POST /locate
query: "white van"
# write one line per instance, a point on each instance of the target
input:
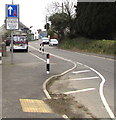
(20, 43)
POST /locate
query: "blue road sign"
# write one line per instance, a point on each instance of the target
(12, 11)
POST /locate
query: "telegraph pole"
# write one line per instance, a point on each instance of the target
(12, 2)
(62, 8)
(46, 25)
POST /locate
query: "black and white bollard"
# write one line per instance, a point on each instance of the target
(41, 47)
(48, 64)
(0, 58)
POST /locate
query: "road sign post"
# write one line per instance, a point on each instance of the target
(12, 10)
(12, 47)
(12, 22)
(12, 17)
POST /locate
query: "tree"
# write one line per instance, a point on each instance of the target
(96, 20)
(66, 6)
(62, 17)
(59, 23)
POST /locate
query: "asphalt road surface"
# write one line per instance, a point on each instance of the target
(23, 80)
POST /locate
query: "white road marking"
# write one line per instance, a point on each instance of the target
(77, 91)
(37, 57)
(34, 48)
(82, 71)
(111, 114)
(101, 84)
(79, 63)
(87, 78)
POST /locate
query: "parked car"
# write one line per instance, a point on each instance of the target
(20, 43)
(53, 42)
(45, 40)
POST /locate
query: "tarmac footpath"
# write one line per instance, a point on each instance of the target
(22, 94)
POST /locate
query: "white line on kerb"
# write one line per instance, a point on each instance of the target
(101, 84)
(87, 78)
(111, 114)
(37, 57)
(33, 47)
(45, 83)
(82, 71)
(77, 91)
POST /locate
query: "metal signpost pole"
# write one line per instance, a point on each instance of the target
(12, 47)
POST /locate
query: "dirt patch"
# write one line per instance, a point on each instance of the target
(65, 104)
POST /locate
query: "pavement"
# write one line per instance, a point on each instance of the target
(22, 95)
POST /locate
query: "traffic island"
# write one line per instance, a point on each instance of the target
(65, 104)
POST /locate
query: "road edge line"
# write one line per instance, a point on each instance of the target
(103, 99)
(48, 80)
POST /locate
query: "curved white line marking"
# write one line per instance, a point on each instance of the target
(101, 92)
(37, 57)
(45, 83)
(34, 48)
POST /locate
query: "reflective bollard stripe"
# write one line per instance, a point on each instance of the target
(0, 58)
(48, 64)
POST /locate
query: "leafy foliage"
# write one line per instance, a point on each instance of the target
(59, 22)
(95, 20)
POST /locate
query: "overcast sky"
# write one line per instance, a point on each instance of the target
(32, 12)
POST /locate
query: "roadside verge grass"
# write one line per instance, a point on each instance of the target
(89, 45)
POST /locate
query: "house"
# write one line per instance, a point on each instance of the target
(23, 30)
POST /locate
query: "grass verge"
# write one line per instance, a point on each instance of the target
(89, 45)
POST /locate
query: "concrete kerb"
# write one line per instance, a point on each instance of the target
(48, 80)
(55, 76)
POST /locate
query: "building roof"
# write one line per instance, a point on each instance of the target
(21, 25)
